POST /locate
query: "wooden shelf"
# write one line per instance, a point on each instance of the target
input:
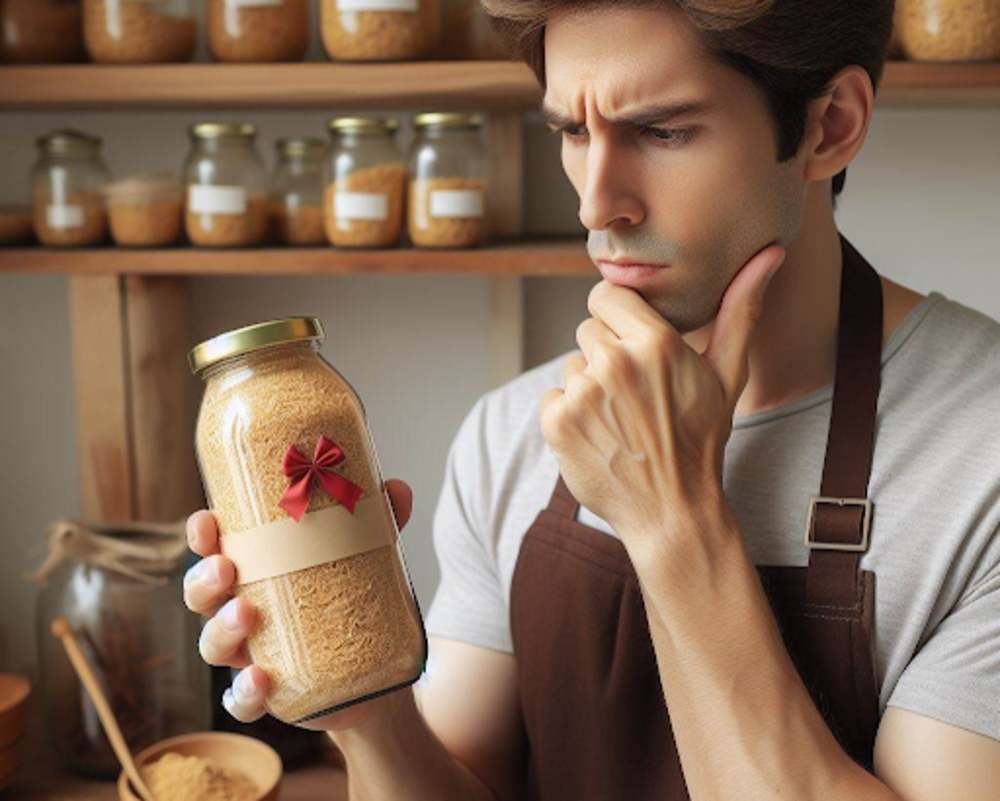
(560, 256)
(488, 85)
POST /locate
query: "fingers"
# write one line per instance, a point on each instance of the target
(208, 584)
(401, 497)
(223, 637)
(245, 699)
(203, 533)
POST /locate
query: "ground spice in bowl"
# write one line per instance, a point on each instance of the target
(258, 30)
(302, 225)
(79, 220)
(365, 207)
(410, 30)
(175, 777)
(337, 617)
(144, 210)
(229, 230)
(136, 33)
(459, 223)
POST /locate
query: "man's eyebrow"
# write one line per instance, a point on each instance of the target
(650, 115)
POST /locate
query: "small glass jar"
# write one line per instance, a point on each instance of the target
(296, 487)
(296, 200)
(68, 183)
(41, 31)
(118, 587)
(448, 180)
(381, 30)
(139, 31)
(16, 227)
(365, 178)
(225, 187)
(145, 210)
(949, 30)
(258, 30)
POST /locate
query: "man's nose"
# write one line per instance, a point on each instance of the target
(609, 194)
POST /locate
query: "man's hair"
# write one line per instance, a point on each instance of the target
(790, 48)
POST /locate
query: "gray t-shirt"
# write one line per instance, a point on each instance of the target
(935, 486)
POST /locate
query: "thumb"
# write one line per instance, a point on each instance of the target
(742, 307)
(401, 497)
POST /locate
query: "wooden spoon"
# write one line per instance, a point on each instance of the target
(62, 629)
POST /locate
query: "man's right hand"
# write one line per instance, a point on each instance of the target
(208, 590)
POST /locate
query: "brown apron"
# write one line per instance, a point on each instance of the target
(594, 713)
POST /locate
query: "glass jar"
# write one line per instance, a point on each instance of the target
(448, 176)
(258, 30)
(296, 202)
(16, 227)
(41, 31)
(365, 178)
(226, 187)
(949, 30)
(381, 30)
(139, 31)
(68, 181)
(145, 210)
(118, 587)
(295, 484)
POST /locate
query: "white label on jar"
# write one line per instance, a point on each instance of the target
(457, 203)
(217, 199)
(61, 217)
(253, 3)
(361, 206)
(378, 5)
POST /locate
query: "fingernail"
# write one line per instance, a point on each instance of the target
(229, 616)
(206, 572)
(243, 687)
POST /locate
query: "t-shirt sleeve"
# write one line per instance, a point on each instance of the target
(955, 676)
(469, 603)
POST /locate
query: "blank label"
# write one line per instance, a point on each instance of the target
(361, 206)
(217, 199)
(64, 216)
(378, 5)
(457, 203)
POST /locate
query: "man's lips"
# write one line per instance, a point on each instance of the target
(626, 273)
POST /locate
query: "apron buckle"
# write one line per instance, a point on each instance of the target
(862, 546)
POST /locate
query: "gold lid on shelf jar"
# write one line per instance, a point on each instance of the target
(357, 124)
(299, 145)
(254, 337)
(68, 139)
(219, 130)
(448, 119)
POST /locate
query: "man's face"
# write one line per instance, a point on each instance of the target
(702, 192)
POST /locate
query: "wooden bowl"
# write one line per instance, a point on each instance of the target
(14, 692)
(249, 755)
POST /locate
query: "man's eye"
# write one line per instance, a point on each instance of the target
(665, 135)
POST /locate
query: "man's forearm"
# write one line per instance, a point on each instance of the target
(744, 723)
(395, 754)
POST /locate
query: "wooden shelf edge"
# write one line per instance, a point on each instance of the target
(562, 256)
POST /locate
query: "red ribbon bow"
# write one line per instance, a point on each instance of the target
(301, 471)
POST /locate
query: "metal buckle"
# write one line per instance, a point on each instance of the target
(840, 546)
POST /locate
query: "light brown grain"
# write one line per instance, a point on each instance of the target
(92, 231)
(139, 34)
(229, 230)
(301, 225)
(949, 30)
(263, 33)
(444, 232)
(380, 35)
(387, 179)
(153, 224)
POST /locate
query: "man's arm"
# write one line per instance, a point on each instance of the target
(744, 723)
(456, 736)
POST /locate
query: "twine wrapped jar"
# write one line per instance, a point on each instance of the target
(294, 482)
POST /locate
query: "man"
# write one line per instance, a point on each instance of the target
(627, 603)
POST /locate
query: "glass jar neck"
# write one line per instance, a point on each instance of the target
(272, 354)
(225, 143)
(437, 132)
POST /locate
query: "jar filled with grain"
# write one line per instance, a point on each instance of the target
(949, 30)
(296, 200)
(258, 30)
(41, 31)
(139, 31)
(16, 227)
(448, 175)
(365, 178)
(145, 210)
(295, 484)
(381, 30)
(226, 187)
(68, 183)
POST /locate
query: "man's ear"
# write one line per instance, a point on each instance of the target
(838, 123)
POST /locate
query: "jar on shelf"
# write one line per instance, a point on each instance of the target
(467, 34)
(16, 227)
(41, 31)
(381, 30)
(365, 178)
(145, 210)
(258, 30)
(296, 201)
(225, 187)
(296, 487)
(448, 180)
(118, 586)
(68, 182)
(949, 30)
(139, 31)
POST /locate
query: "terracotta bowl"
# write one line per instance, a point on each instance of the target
(14, 692)
(253, 757)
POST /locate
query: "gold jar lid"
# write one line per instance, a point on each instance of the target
(254, 337)
(220, 130)
(67, 140)
(448, 119)
(299, 145)
(355, 124)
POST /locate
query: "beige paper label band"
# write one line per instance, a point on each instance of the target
(285, 546)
